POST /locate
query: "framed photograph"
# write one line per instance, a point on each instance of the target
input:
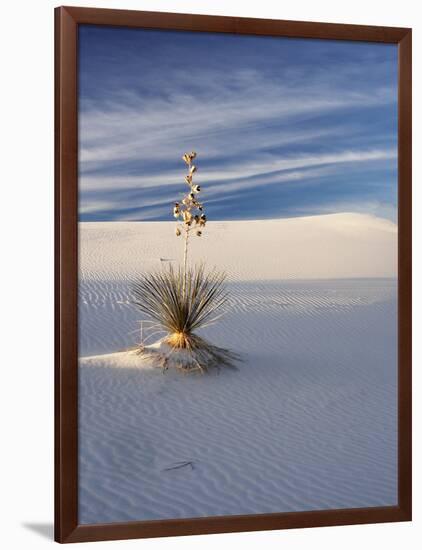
(233, 274)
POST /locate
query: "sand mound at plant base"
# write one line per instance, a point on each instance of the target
(157, 356)
(120, 360)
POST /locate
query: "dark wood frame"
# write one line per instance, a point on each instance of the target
(67, 529)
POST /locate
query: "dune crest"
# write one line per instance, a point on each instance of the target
(318, 247)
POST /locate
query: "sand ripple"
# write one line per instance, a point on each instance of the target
(307, 422)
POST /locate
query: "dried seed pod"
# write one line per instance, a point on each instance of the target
(189, 205)
(187, 216)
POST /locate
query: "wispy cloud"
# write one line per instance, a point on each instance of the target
(129, 127)
(266, 169)
(255, 125)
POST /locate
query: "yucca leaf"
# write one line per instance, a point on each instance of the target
(160, 296)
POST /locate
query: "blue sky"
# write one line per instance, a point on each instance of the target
(282, 127)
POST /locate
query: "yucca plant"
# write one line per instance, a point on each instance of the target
(179, 311)
(183, 300)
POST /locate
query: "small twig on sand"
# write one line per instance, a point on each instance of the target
(181, 464)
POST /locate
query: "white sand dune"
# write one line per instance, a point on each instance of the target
(331, 246)
(308, 421)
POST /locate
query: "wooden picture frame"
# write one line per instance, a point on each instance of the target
(67, 528)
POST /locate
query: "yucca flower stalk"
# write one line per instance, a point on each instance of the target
(181, 300)
(190, 211)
